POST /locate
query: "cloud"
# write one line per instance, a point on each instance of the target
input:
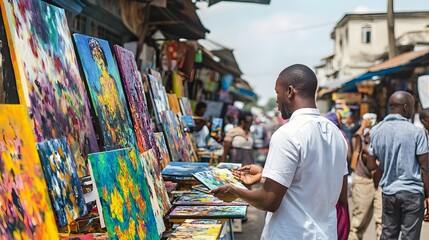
(361, 9)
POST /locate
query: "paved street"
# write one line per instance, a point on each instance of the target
(253, 227)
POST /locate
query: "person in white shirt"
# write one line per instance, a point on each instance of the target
(305, 170)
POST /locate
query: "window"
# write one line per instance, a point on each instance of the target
(366, 34)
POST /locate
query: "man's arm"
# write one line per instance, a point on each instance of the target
(372, 166)
(424, 166)
(266, 198)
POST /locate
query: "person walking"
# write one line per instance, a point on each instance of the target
(305, 170)
(402, 151)
(366, 198)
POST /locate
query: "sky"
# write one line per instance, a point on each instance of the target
(268, 38)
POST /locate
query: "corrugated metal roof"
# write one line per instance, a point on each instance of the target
(399, 60)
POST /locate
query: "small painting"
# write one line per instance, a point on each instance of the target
(163, 150)
(173, 134)
(195, 199)
(63, 183)
(184, 169)
(191, 229)
(216, 178)
(208, 212)
(185, 106)
(124, 194)
(173, 102)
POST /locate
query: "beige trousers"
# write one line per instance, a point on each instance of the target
(366, 204)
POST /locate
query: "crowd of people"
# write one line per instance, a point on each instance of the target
(304, 186)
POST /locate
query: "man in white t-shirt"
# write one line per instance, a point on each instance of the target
(305, 169)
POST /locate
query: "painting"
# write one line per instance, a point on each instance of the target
(8, 92)
(191, 229)
(216, 178)
(216, 128)
(208, 212)
(63, 183)
(184, 169)
(134, 92)
(173, 134)
(158, 96)
(151, 185)
(26, 212)
(227, 165)
(185, 105)
(107, 95)
(48, 78)
(148, 160)
(214, 109)
(195, 199)
(173, 102)
(163, 150)
(125, 199)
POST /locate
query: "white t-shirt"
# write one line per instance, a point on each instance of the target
(308, 156)
(201, 136)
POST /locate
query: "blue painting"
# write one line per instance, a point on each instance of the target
(63, 183)
(107, 95)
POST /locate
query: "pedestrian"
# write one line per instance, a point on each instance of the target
(305, 170)
(402, 151)
(238, 142)
(366, 198)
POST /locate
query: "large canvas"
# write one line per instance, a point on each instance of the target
(197, 231)
(134, 91)
(48, 76)
(63, 183)
(25, 210)
(148, 160)
(8, 93)
(157, 206)
(174, 135)
(208, 212)
(124, 195)
(195, 199)
(164, 159)
(216, 178)
(107, 95)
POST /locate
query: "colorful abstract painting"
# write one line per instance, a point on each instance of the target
(25, 210)
(173, 102)
(107, 95)
(195, 199)
(148, 159)
(8, 92)
(157, 207)
(124, 195)
(208, 212)
(216, 178)
(174, 135)
(158, 98)
(164, 159)
(194, 230)
(184, 169)
(185, 105)
(134, 91)
(48, 78)
(63, 183)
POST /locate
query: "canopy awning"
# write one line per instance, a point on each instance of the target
(212, 2)
(390, 66)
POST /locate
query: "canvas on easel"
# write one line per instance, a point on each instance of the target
(26, 211)
(63, 183)
(107, 95)
(134, 91)
(47, 76)
(124, 194)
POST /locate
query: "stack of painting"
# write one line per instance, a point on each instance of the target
(198, 230)
(107, 95)
(208, 212)
(47, 76)
(203, 199)
(26, 211)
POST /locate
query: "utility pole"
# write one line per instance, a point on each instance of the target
(391, 29)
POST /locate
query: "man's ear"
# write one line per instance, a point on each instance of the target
(290, 93)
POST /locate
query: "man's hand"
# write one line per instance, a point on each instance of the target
(224, 193)
(249, 174)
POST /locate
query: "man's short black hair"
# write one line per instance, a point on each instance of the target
(300, 77)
